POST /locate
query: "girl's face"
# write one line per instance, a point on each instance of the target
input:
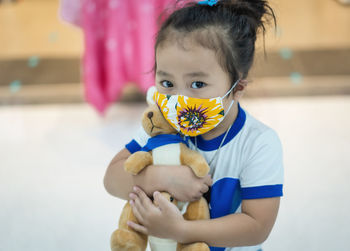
(193, 71)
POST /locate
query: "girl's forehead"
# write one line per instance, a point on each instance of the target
(186, 55)
(194, 62)
(184, 40)
(196, 49)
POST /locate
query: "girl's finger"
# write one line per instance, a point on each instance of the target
(204, 189)
(136, 212)
(162, 202)
(137, 227)
(137, 203)
(145, 201)
(208, 180)
(140, 208)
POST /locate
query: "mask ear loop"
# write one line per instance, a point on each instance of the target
(229, 108)
(234, 85)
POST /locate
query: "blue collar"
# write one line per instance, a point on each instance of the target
(213, 144)
(161, 140)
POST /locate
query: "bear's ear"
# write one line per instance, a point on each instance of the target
(150, 94)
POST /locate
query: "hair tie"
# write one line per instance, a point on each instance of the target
(208, 2)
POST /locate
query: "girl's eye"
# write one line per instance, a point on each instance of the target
(197, 85)
(166, 84)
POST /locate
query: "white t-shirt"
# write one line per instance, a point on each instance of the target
(249, 165)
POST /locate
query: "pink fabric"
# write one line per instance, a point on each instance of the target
(119, 46)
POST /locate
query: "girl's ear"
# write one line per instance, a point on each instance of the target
(242, 84)
(239, 90)
(150, 94)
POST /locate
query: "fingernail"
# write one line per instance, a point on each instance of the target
(131, 202)
(135, 189)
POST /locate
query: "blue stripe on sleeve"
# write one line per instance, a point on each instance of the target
(133, 146)
(216, 249)
(262, 192)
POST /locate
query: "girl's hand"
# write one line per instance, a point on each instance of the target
(179, 181)
(164, 221)
(184, 185)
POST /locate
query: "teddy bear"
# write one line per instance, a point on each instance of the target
(164, 147)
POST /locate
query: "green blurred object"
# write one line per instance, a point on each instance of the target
(286, 53)
(296, 78)
(33, 61)
(15, 86)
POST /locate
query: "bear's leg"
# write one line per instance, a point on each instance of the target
(198, 246)
(194, 160)
(197, 210)
(125, 238)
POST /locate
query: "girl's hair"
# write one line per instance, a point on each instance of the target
(229, 28)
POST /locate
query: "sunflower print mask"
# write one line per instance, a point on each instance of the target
(192, 116)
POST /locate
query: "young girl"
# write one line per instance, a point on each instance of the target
(204, 51)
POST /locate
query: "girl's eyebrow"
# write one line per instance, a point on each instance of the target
(191, 74)
(196, 74)
(163, 73)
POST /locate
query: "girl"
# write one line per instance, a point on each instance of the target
(204, 52)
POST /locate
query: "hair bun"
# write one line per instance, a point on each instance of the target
(258, 10)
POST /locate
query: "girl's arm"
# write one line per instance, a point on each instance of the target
(117, 182)
(180, 181)
(249, 228)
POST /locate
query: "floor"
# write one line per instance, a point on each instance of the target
(54, 158)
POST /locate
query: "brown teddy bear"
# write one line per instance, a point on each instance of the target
(175, 153)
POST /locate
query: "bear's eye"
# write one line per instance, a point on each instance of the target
(171, 199)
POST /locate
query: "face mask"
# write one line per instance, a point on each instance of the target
(192, 116)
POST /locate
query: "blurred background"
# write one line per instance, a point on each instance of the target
(72, 80)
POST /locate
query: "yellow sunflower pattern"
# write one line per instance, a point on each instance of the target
(197, 116)
(190, 116)
(163, 104)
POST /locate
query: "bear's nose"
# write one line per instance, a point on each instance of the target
(150, 115)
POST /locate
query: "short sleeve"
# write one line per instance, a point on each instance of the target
(139, 140)
(262, 175)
